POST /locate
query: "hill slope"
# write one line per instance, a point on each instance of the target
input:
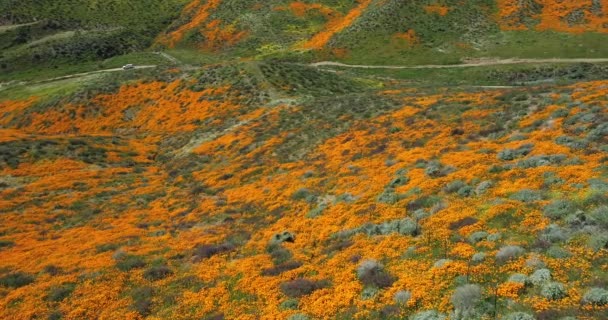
(256, 190)
(403, 31)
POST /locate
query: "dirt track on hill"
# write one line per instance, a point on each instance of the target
(469, 64)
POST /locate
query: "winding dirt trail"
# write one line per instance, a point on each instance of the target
(470, 64)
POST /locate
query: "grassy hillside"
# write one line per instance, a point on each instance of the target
(54, 34)
(403, 32)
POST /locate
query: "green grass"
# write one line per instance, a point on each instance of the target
(45, 90)
(194, 57)
(505, 75)
(382, 49)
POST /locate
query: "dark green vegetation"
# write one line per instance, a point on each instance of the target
(61, 34)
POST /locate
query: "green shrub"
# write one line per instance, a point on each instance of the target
(372, 274)
(600, 216)
(428, 315)
(598, 241)
(155, 273)
(59, 293)
(301, 287)
(478, 257)
(540, 276)
(558, 209)
(289, 304)
(553, 290)
(519, 316)
(454, 186)
(142, 300)
(477, 236)
(512, 154)
(509, 253)
(435, 169)
(527, 195)
(16, 280)
(304, 194)
(402, 297)
(369, 293)
(298, 316)
(284, 236)
(466, 296)
(596, 297)
(130, 262)
(483, 187)
(317, 211)
(519, 278)
(6, 244)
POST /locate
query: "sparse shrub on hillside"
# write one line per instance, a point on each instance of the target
(204, 251)
(283, 267)
(540, 276)
(483, 187)
(519, 316)
(477, 236)
(598, 242)
(600, 216)
(512, 154)
(509, 253)
(428, 315)
(405, 226)
(553, 233)
(142, 300)
(317, 211)
(541, 160)
(61, 292)
(464, 299)
(465, 191)
(284, 236)
(553, 290)
(494, 237)
(535, 262)
(559, 208)
(301, 287)
(551, 179)
(572, 143)
(596, 297)
(369, 293)
(389, 196)
(435, 169)
(402, 297)
(130, 262)
(298, 316)
(527, 195)
(441, 262)
(464, 222)
(371, 273)
(289, 304)
(454, 186)
(304, 194)
(557, 252)
(16, 280)
(519, 278)
(6, 244)
(159, 272)
(478, 257)
(278, 254)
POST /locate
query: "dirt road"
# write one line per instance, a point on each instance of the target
(469, 64)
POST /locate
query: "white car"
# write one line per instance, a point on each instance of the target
(128, 66)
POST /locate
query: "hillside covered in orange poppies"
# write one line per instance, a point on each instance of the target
(231, 177)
